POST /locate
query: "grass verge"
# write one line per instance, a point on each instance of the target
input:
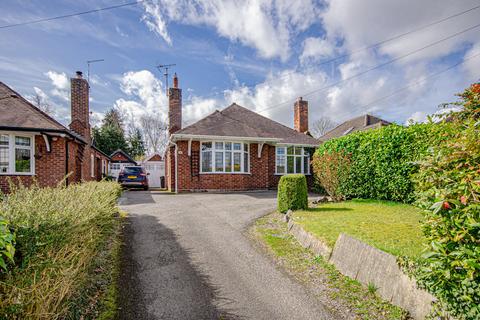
(343, 296)
(389, 226)
(66, 259)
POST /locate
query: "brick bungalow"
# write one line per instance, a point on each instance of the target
(34, 146)
(235, 148)
(361, 123)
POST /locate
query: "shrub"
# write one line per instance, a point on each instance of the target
(332, 170)
(383, 160)
(292, 193)
(59, 234)
(7, 244)
(449, 185)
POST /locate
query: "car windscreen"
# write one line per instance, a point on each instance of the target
(132, 170)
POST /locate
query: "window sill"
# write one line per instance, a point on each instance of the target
(17, 174)
(283, 174)
(245, 173)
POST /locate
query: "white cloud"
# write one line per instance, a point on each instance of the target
(60, 83)
(316, 49)
(266, 25)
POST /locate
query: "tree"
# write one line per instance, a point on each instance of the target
(111, 136)
(155, 133)
(42, 104)
(136, 144)
(322, 126)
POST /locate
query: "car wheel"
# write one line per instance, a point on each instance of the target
(145, 188)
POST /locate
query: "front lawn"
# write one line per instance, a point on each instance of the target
(389, 226)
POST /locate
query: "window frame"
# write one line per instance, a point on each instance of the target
(214, 150)
(11, 171)
(285, 155)
(92, 165)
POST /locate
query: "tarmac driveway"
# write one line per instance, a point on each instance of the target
(186, 257)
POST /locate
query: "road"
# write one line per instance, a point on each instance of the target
(187, 256)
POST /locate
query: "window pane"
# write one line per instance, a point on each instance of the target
(22, 160)
(290, 164)
(22, 141)
(306, 153)
(280, 150)
(245, 147)
(219, 145)
(237, 162)
(207, 161)
(219, 161)
(228, 146)
(3, 140)
(306, 165)
(298, 151)
(237, 146)
(245, 162)
(280, 164)
(3, 153)
(228, 161)
(290, 150)
(298, 164)
(206, 146)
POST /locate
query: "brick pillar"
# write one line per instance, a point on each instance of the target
(80, 122)
(300, 116)
(174, 107)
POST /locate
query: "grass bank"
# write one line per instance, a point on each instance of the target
(343, 297)
(389, 226)
(66, 259)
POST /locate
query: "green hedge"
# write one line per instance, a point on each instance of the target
(292, 193)
(383, 160)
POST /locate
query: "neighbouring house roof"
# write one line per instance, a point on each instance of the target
(153, 157)
(17, 113)
(364, 122)
(122, 154)
(237, 121)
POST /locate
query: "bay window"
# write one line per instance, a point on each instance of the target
(16, 154)
(224, 157)
(292, 159)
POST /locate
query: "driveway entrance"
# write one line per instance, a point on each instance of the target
(187, 257)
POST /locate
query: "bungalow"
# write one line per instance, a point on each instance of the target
(235, 148)
(34, 146)
(361, 123)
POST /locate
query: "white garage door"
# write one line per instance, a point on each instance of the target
(156, 170)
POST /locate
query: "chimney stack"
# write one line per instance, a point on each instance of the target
(300, 116)
(79, 100)
(174, 107)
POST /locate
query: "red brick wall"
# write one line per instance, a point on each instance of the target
(80, 107)
(300, 115)
(50, 166)
(119, 157)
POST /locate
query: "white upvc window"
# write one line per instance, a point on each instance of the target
(292, 159)
(224, 157)
(17, 154)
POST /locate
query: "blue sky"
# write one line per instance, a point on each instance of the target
(261, 54)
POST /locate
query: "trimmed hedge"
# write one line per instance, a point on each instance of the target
(292, 193)
(383, 160)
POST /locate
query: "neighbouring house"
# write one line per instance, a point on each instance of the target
(34, 146)
(155, 166)
(235, 148)
(119, 160)
(361, 123)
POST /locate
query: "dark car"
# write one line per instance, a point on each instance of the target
(133, 177)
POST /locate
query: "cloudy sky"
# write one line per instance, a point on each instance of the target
(262, 54)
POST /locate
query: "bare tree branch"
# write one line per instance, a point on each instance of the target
(322, 126)
(155, 133)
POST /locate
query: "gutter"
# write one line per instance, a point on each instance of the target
(176, 137)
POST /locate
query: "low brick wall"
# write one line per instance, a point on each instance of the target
(369, 265)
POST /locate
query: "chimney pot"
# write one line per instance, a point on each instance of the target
(79, 74)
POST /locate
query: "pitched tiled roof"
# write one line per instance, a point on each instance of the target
(126, 155)
(17, 112)
(237, 121)
(360, 123)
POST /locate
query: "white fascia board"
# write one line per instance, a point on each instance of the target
(283, 144)
(177, 137)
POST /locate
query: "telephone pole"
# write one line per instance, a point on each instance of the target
(165, 73)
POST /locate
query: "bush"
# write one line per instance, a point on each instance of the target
(332, 170)
(7, 245)
(59, 234)
(382, 161)
(449, 185)
(292, 193)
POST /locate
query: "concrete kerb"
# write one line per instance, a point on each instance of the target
(368, 265)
